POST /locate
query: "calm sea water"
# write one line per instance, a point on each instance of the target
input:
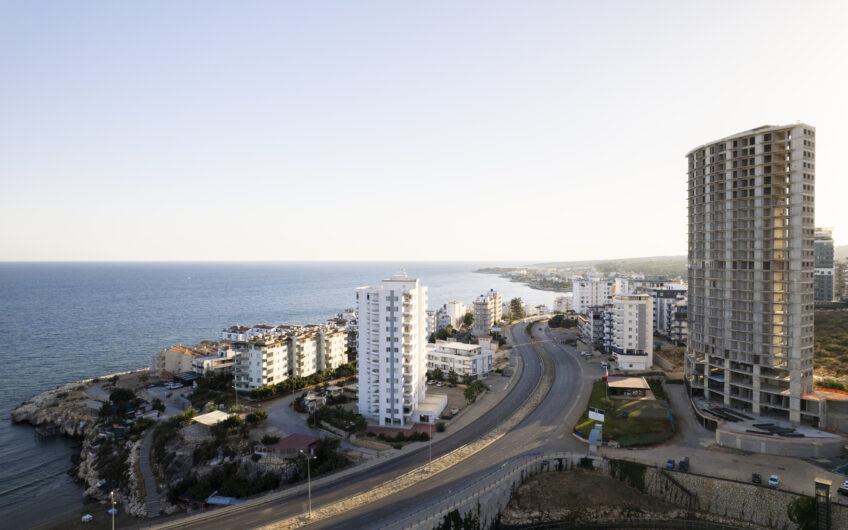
(62, 322)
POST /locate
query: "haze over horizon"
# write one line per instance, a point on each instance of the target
(382, 131)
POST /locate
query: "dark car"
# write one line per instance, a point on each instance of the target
(683, 465)
(756, 478)
(669, 464)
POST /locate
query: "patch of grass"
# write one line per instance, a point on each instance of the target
(646, 422)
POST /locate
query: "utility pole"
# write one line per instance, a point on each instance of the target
(308, 480)
(112, 495)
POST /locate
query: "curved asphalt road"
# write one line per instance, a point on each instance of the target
(546, 429)
(517, 440)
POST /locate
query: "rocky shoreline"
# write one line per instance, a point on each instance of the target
(73, 410)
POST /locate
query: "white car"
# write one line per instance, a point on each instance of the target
(604, 364)
(774, 481)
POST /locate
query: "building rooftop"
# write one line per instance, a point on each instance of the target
(615, 381)
(211, 418)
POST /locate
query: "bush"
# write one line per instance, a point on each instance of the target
(255, 417)
(440, 426)
(141, 425)
(158, 405)
(802, 512)
(269, 439)
(338, 417)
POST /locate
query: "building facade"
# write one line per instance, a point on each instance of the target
(591, 292)
(629, 331)
(487, 309)
(751, 231)
(670, 311)
(287, 351)
(824, 277)
(564, 303)
(392, 354)
(474, 360)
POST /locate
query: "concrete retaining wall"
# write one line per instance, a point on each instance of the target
(749, 503)
(799, 447)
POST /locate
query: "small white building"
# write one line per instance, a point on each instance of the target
(475, 360)
(222, 362)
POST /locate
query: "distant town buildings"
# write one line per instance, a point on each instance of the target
(564, 303)
(591, 292)
(474, 360)
(641, 284)
(487, 310)
(392, 354)
(824, 274)
(751, 264)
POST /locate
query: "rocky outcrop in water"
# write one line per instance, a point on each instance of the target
(68, 409)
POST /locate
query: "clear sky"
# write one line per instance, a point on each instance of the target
(394, 130)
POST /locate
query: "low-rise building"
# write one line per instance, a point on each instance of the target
(475, 360)
(564, 303)
(221, 362)
(175, 359)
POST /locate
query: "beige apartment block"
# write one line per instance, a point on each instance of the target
(751, 232)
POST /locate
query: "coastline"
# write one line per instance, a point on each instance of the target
(531, 284)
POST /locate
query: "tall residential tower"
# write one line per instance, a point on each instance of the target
(751, 232)
(392, 355)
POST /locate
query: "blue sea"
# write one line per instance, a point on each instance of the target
(63, 322)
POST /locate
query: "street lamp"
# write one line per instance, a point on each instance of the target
(112, 495)
(308, 480)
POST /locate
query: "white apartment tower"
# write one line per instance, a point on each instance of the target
(392, 354)
(751, 232)
(629, 324)
(591, 293)
(488, 309)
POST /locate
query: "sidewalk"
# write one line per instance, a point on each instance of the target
(151, 496)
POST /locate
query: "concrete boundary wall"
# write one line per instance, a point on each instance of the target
(798, 447)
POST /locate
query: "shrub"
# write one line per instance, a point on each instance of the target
(255, 417)
(440, 426)
(269, 439)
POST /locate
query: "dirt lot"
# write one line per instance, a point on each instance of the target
(552, 493)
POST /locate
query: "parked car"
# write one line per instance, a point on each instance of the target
(586, 354)
(756, 478)
(604, 364)
(87, 518)
(669, 463)
(683, 465)
(774, 481)
(431, 382)
(844, 488)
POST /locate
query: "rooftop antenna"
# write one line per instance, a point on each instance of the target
(401, 273)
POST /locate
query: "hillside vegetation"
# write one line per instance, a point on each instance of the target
(831, 343)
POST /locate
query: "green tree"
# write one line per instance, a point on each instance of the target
(802, 512)
(516, 308)
(438, 374)
(467, 379)
(158, 405)
(453, 377)
(468, 319)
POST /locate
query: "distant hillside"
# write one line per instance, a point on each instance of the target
(653, 265)
(658, 265)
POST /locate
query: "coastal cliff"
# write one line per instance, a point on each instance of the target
(67, 409)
